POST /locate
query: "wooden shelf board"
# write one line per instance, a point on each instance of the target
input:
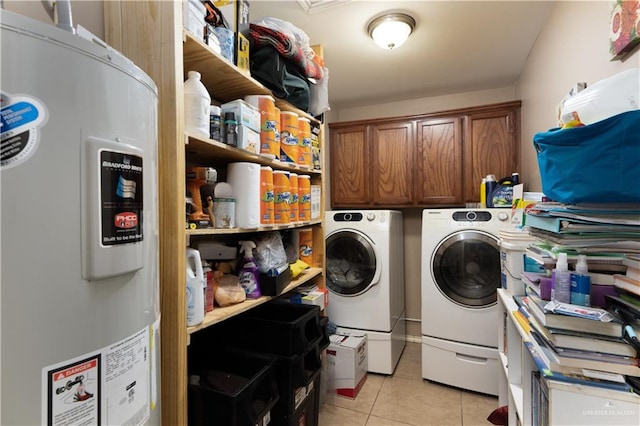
(218, 231)
(221, 314)
(209, 150)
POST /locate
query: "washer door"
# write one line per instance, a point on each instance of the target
(466, 268)
(352, 263)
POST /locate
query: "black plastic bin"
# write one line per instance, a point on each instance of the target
(229, 387)
(307, 412)
(294, 376)
(279, 328)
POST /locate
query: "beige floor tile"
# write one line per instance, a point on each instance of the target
(330, 415)
(418, 403)
(476, 408)
(365, 399)
(379, 421)
(410, 364)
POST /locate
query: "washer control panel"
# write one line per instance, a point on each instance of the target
(471, 216)
(348, 217)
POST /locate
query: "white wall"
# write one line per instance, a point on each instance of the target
(572, 47)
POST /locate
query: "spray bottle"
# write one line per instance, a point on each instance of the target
(561, 281)
(249, 273)
(581, 283)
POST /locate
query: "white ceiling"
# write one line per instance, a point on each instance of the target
(457, 46)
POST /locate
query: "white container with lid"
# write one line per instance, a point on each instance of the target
(605, 98)
(196, 105)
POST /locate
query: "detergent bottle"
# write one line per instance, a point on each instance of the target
(249, 274)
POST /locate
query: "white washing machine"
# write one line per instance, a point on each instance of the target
(365, 278)
(460, 277)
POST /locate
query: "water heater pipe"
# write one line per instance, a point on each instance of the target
(65, 20)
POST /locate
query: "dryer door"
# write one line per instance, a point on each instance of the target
(466, 268)
(352, 262)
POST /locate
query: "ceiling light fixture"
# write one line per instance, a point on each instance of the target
(391, 30)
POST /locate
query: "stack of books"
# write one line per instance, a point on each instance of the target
(630, 281)
(578, 350)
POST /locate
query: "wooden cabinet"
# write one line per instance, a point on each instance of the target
(151, 35)
(439, 166)
(349, 166)
(392, 163)
(436, 159)
(491, 146)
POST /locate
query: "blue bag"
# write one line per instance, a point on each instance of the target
(597, 163)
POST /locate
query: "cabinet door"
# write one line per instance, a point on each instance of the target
(392, 163)
(491, 146)
(439, 158)
(350, 175)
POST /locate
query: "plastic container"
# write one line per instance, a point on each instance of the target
(581, 283)
(224, 206)
(229, 387)
(513, 245)
(483, 193)
(230, 129)
(196, 288)
(603, 99)
(277, 328)
(215, 123)
(197, 102)
(489, 186)
(249, 274)
(561, 280)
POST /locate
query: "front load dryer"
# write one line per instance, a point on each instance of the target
(365, 278)
(460, 276)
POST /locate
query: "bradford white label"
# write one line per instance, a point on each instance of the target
(121, 198)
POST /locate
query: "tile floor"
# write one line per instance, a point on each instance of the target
(405, 398)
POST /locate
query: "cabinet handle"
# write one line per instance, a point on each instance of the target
(469, 358)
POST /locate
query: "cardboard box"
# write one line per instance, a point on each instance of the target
(318, 297)
(347, 364)
(236, 14)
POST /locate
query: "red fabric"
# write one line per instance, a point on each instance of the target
(263, 36)
(499, 416)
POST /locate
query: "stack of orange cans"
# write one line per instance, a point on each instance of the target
(266, 196)
(294, 196)
(282, 190)
(267, 107)
(304, 198)
(304, 142)
(288, 137)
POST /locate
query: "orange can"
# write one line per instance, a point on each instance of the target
(266, 196)
(267, 107)
(304, 198)
(304, 142)
(288, 137)
(276, 151)
(305, 252)
(281, 192)
(293, 197)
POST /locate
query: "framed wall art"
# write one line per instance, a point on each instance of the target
(624, 27)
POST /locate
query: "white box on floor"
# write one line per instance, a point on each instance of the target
(347, 364)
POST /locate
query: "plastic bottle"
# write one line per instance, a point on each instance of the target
(196, 105)
(215, 123)
(603, 99)
(561, 281)
(196, 288)
(515, 178)
(581, 283)
(483, 193)
(249, 274)
(490, 186)
(230, 129)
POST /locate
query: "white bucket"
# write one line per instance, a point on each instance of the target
(513, 245)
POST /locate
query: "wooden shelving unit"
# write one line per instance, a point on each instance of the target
(151, 35)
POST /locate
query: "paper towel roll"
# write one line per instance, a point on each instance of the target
(244, 178)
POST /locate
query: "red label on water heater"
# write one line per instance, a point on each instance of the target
(126, 220)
